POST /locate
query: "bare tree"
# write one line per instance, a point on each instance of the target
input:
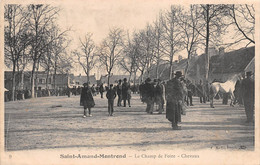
(158, 33)
(110, 50)
(213, 18)
(40, 22)
(86, 56)
(129, 61)
(190, 27)
(172, 38)
(243, 17)
(16, 39)
(147, 50)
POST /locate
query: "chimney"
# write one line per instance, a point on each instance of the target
(221, 51)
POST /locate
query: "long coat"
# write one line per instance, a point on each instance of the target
(148, 92)
(174, 95)
(86, 98)
(125, 91)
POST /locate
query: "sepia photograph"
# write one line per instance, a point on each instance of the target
(129, 82)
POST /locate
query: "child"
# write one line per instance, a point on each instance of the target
(111, 95)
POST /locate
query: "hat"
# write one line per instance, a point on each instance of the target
(111, 85)
(249, 73)
(125, 79)
(85, 84)
(178, 73)
(120, 80)
(148, 80)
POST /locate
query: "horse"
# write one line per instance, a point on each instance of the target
(226, 87)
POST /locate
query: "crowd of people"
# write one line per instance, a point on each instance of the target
(173, 96)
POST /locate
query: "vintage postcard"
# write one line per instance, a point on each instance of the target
(129, 82)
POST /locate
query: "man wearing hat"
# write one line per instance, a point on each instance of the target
(248, 94)
(148, 95)
(159, 95)
(174, 95)
(86, 99)
(126, 93)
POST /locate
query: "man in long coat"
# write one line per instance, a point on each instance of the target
(174, 96)
(148, 95)
(248, 93)
(86, 99)
(159, 95)
(126, 92)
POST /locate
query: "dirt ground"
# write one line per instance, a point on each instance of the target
(42, 123)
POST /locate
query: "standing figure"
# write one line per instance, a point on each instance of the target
(101, 90)
(237, 92)
(93, 90)
(248, 93)
(126, 94)
(174, 96)
(119, 93)
(201, 93)
(111, 95)
(191, 92)
(68, 91)
(159, 95)
(86, 99)
(148, 95)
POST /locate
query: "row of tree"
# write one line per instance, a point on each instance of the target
(33, 38)
(174, 30)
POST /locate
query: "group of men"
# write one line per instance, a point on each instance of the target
(173, 93)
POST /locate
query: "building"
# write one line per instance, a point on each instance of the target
(78, 81)
(58, 81)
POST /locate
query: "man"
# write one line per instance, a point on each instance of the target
(86, 100)
(101, 90)
(126, 93)
(191, 92)
(148, 95)
(174, 96)
(119, 93)
(159, 95)
(201, 92)
(248, 93)
(111, 95)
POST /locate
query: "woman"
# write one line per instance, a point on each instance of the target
(86, 99)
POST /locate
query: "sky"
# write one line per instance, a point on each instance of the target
(98, 16)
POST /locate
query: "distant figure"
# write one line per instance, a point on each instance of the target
(93, 90)
(191, 92)
(111, 95)
(159, 95)
(119, 93)
(201, 92)
(68, 91)
(126, 92)
(174, 96)
(101, 90)
(148, 95)
(86, 99)
(237, 92)
(248, 93)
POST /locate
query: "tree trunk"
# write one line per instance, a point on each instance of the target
(22, 83)
(13, 82)
(32, 81)
(207, 47)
